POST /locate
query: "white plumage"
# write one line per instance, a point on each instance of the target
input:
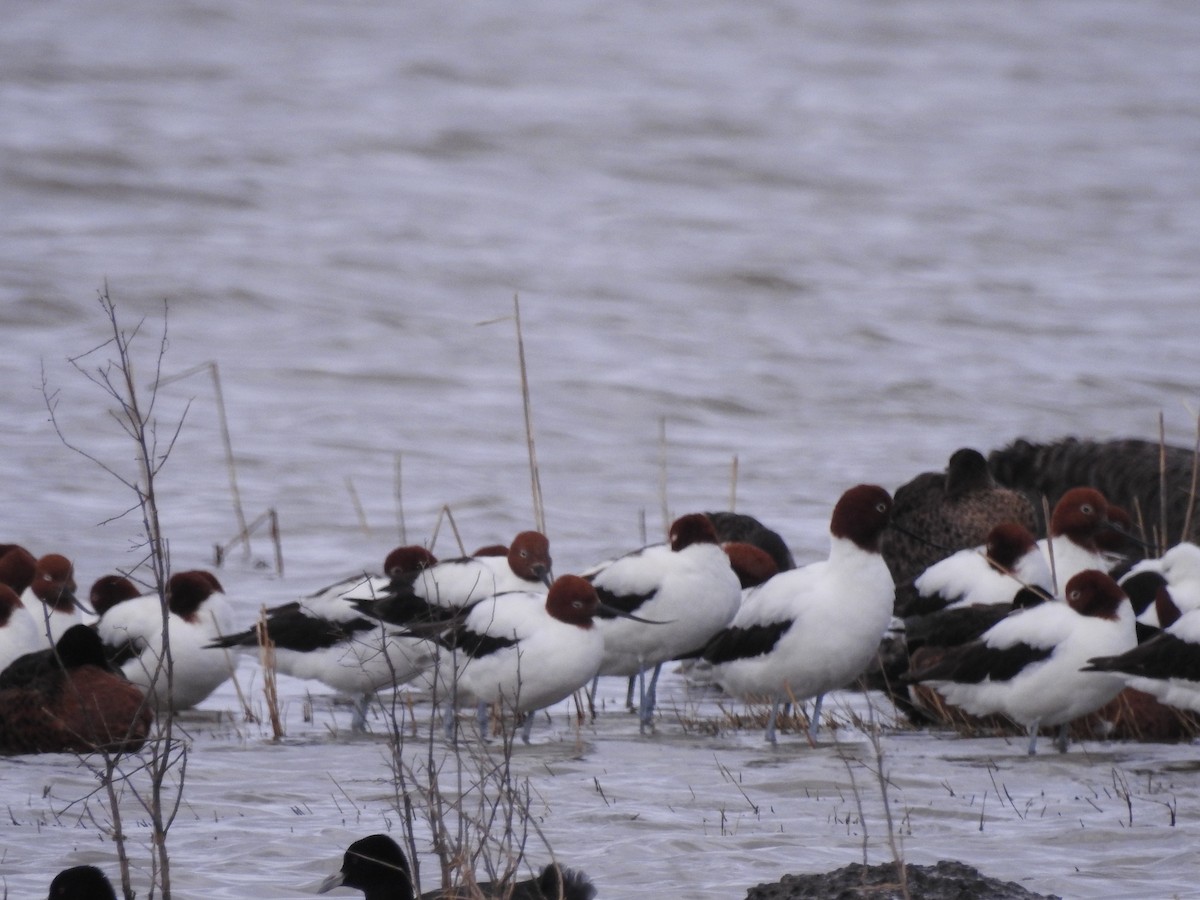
(18, 632)
(994, 573)
(1028, 666)
(687, 587)
(810, 630)
(525, 651)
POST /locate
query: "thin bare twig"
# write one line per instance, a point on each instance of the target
(165, 755)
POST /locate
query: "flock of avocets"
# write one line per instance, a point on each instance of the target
(1039, 631)
(496, 630)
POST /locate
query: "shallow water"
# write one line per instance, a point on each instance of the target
(693, 811)
(835, 241)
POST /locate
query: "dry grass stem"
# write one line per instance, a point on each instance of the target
(1049, 545)
(398, 480)
(448, 515)
(662, 474)
(223, 420)
(1191, 504)
(271, 519)
(535, 478)
(266, 649)
(359, 512)
(1162, 484)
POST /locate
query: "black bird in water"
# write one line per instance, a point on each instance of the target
(378, 867)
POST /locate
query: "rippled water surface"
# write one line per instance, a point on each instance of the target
(833, 240)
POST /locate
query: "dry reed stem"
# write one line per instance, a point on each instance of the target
(223, 421)
(446, 513)
(1049, 545)
(1162, 484)
(398, 481)
(266, 651)
(276, 540)
(271, 518)
(662, 473)
(359, 512)
(1139, 518)
(535, 478)
(1191, 506)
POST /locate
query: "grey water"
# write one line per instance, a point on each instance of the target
(832, 241)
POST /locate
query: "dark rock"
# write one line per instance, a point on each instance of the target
(947, 880)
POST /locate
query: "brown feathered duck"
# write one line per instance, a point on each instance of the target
(939, 513)
(68, 700)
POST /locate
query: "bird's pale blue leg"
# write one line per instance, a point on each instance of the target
(1063, 739)
(641, 677)
(450, 703)
(652, 691)
(814, 724)
(591, 697)
(1033, 736)
(770, 736)
(481, 716)
(359, 723)
(629, 692)
(650, 697)
(527, 728)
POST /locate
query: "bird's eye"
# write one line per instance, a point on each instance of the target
(1074, 595)
(1086, 509)
(524, 554)
(881, 507)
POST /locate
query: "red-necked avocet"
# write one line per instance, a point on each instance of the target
(811, 630)
(131, 627)
(525, 651)
(687, 585)
(18, 632)
(438, 591)
(1029, 665)
(50, 597)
